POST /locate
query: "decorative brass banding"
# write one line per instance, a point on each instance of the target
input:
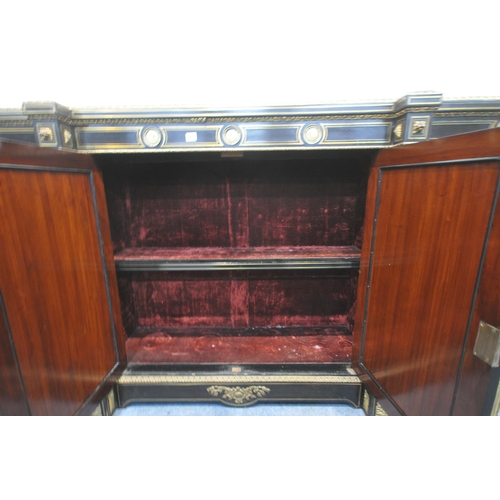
(236, 379)
(239, 395)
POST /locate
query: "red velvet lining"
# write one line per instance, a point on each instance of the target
(219, 210)
(162, 346)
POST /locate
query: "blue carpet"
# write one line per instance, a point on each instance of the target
(274, 410)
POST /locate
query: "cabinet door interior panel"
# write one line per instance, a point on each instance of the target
(475, 374)
(12, 395)
(427, 243)
(54, 282)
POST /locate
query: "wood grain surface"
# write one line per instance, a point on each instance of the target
(426, 228)
(53, 278)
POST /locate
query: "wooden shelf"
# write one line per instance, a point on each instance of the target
(240, 345)
(210, 259)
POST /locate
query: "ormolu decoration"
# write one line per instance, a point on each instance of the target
(398, 131)
(46, 134)
(239, 395)
(418, 127)
(67, 136)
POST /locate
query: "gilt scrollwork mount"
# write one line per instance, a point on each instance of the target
(239, 395)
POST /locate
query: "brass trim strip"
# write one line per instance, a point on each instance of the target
(464, 122)
(450, 114)
(231, 379)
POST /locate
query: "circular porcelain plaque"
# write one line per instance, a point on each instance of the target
(151, 137)
(231, 135)
(312, 134)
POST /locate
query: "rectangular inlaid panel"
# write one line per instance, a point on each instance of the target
(429, 235)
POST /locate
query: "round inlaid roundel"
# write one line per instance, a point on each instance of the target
(231, 136)
(312, 134)
(151, 137)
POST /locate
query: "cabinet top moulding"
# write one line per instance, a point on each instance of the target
(345, 125)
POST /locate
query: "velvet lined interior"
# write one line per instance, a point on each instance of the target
(237, 209)
(236, 204)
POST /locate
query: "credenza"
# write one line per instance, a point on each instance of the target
(342, 253)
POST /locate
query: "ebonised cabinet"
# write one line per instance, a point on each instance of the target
(272, 255)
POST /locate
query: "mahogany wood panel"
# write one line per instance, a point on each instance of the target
(53, 279)
(430, 232)
(475, 374)
(261, 346)
(482, 144)
(12, 396)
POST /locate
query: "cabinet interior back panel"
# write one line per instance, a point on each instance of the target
(243, 299)
(236, 204)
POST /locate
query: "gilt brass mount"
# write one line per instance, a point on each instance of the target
(46, 134)
(239, 395)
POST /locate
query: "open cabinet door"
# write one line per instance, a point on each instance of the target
(430, 272)
(60, 320)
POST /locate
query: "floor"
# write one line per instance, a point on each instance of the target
(208, 409)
